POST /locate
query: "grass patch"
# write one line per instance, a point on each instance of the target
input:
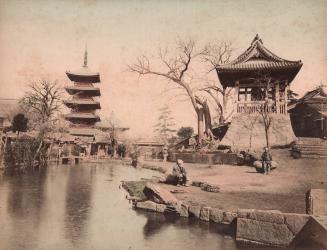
(154, 168)
(135, 188)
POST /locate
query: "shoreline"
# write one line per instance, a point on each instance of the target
(247, 199)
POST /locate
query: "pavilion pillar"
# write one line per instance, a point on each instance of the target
(277, 98)
(285, 97)
(237, 90)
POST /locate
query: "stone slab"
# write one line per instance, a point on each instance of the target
(273, 216)
(161, 208)
(295, 222)
(316, 202)
(146, 205)
(228, 217)
(216, 215)
(183, 210)
(205, 213)
(194, 211)
(267, 233)
(158, 194)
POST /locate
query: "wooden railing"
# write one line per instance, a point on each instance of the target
(252, 107)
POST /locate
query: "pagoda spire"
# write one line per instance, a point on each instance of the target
(85, 57)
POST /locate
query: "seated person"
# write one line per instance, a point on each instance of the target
(179, 173)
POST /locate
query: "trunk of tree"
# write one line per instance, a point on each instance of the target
(207, 118)
(200, 114)
(267, 137)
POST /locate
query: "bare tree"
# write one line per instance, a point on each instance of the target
(177, 69)
(217, 54)
(42, 101)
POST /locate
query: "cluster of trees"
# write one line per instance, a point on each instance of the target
(179, 67)
(39, 109)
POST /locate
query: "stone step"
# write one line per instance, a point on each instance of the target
(314, 156)
(311, 148)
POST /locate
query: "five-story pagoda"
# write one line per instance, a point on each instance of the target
(82, 103)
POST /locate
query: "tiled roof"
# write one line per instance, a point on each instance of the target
(316, 99)
(258, 57)
(82, 102)
(83, 116)
(83, 131)
(8, 106)
(75, 89)
(83, 74)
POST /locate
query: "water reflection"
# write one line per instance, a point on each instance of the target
(78, 201)
(81, 207)
(25, 202)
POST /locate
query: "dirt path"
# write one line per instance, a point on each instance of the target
(242, 187)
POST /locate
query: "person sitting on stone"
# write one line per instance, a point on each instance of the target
(266, 159)
(179, 173)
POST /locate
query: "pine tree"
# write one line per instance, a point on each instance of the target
(165, 126)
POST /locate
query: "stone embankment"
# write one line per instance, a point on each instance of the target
(259, 227)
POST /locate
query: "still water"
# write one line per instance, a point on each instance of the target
(82, 207)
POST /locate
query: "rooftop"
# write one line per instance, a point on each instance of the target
(257, 59)
(84, 74)
(73, 102)
(72, 90)
(82, 116)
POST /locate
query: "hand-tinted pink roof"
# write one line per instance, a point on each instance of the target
(258, 56)
(84, 74)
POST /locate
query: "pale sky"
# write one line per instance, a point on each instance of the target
(44, 38)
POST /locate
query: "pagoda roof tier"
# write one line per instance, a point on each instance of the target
(83, 131)
(257, 61)
(83, 74)
(82, 116)
(92, 91)
(82, 102)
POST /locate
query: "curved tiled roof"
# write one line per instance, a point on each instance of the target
(83, 116)
(73, 102)
(83, 74)
(258, 56)
(76, 89)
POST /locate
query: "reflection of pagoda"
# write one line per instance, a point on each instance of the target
(82, 104)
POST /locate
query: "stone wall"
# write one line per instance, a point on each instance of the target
(205, 158)
(254, 227)
(238, 134)
(316, 202)
(270, 228)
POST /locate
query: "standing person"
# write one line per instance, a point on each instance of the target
(266, 159)
(179, 173)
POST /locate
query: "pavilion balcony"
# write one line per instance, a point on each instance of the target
(257, 107)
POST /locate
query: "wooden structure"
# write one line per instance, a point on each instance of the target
(259, 77)
(8, 109)
(82, 104)
(309, 114)
(261, 80)
(150, 150)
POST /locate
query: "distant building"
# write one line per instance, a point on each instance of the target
(8, 109)
(309, 114)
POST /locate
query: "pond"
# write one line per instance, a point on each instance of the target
(82, 207)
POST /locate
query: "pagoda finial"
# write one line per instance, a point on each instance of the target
(256, 38)
(85, 56)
